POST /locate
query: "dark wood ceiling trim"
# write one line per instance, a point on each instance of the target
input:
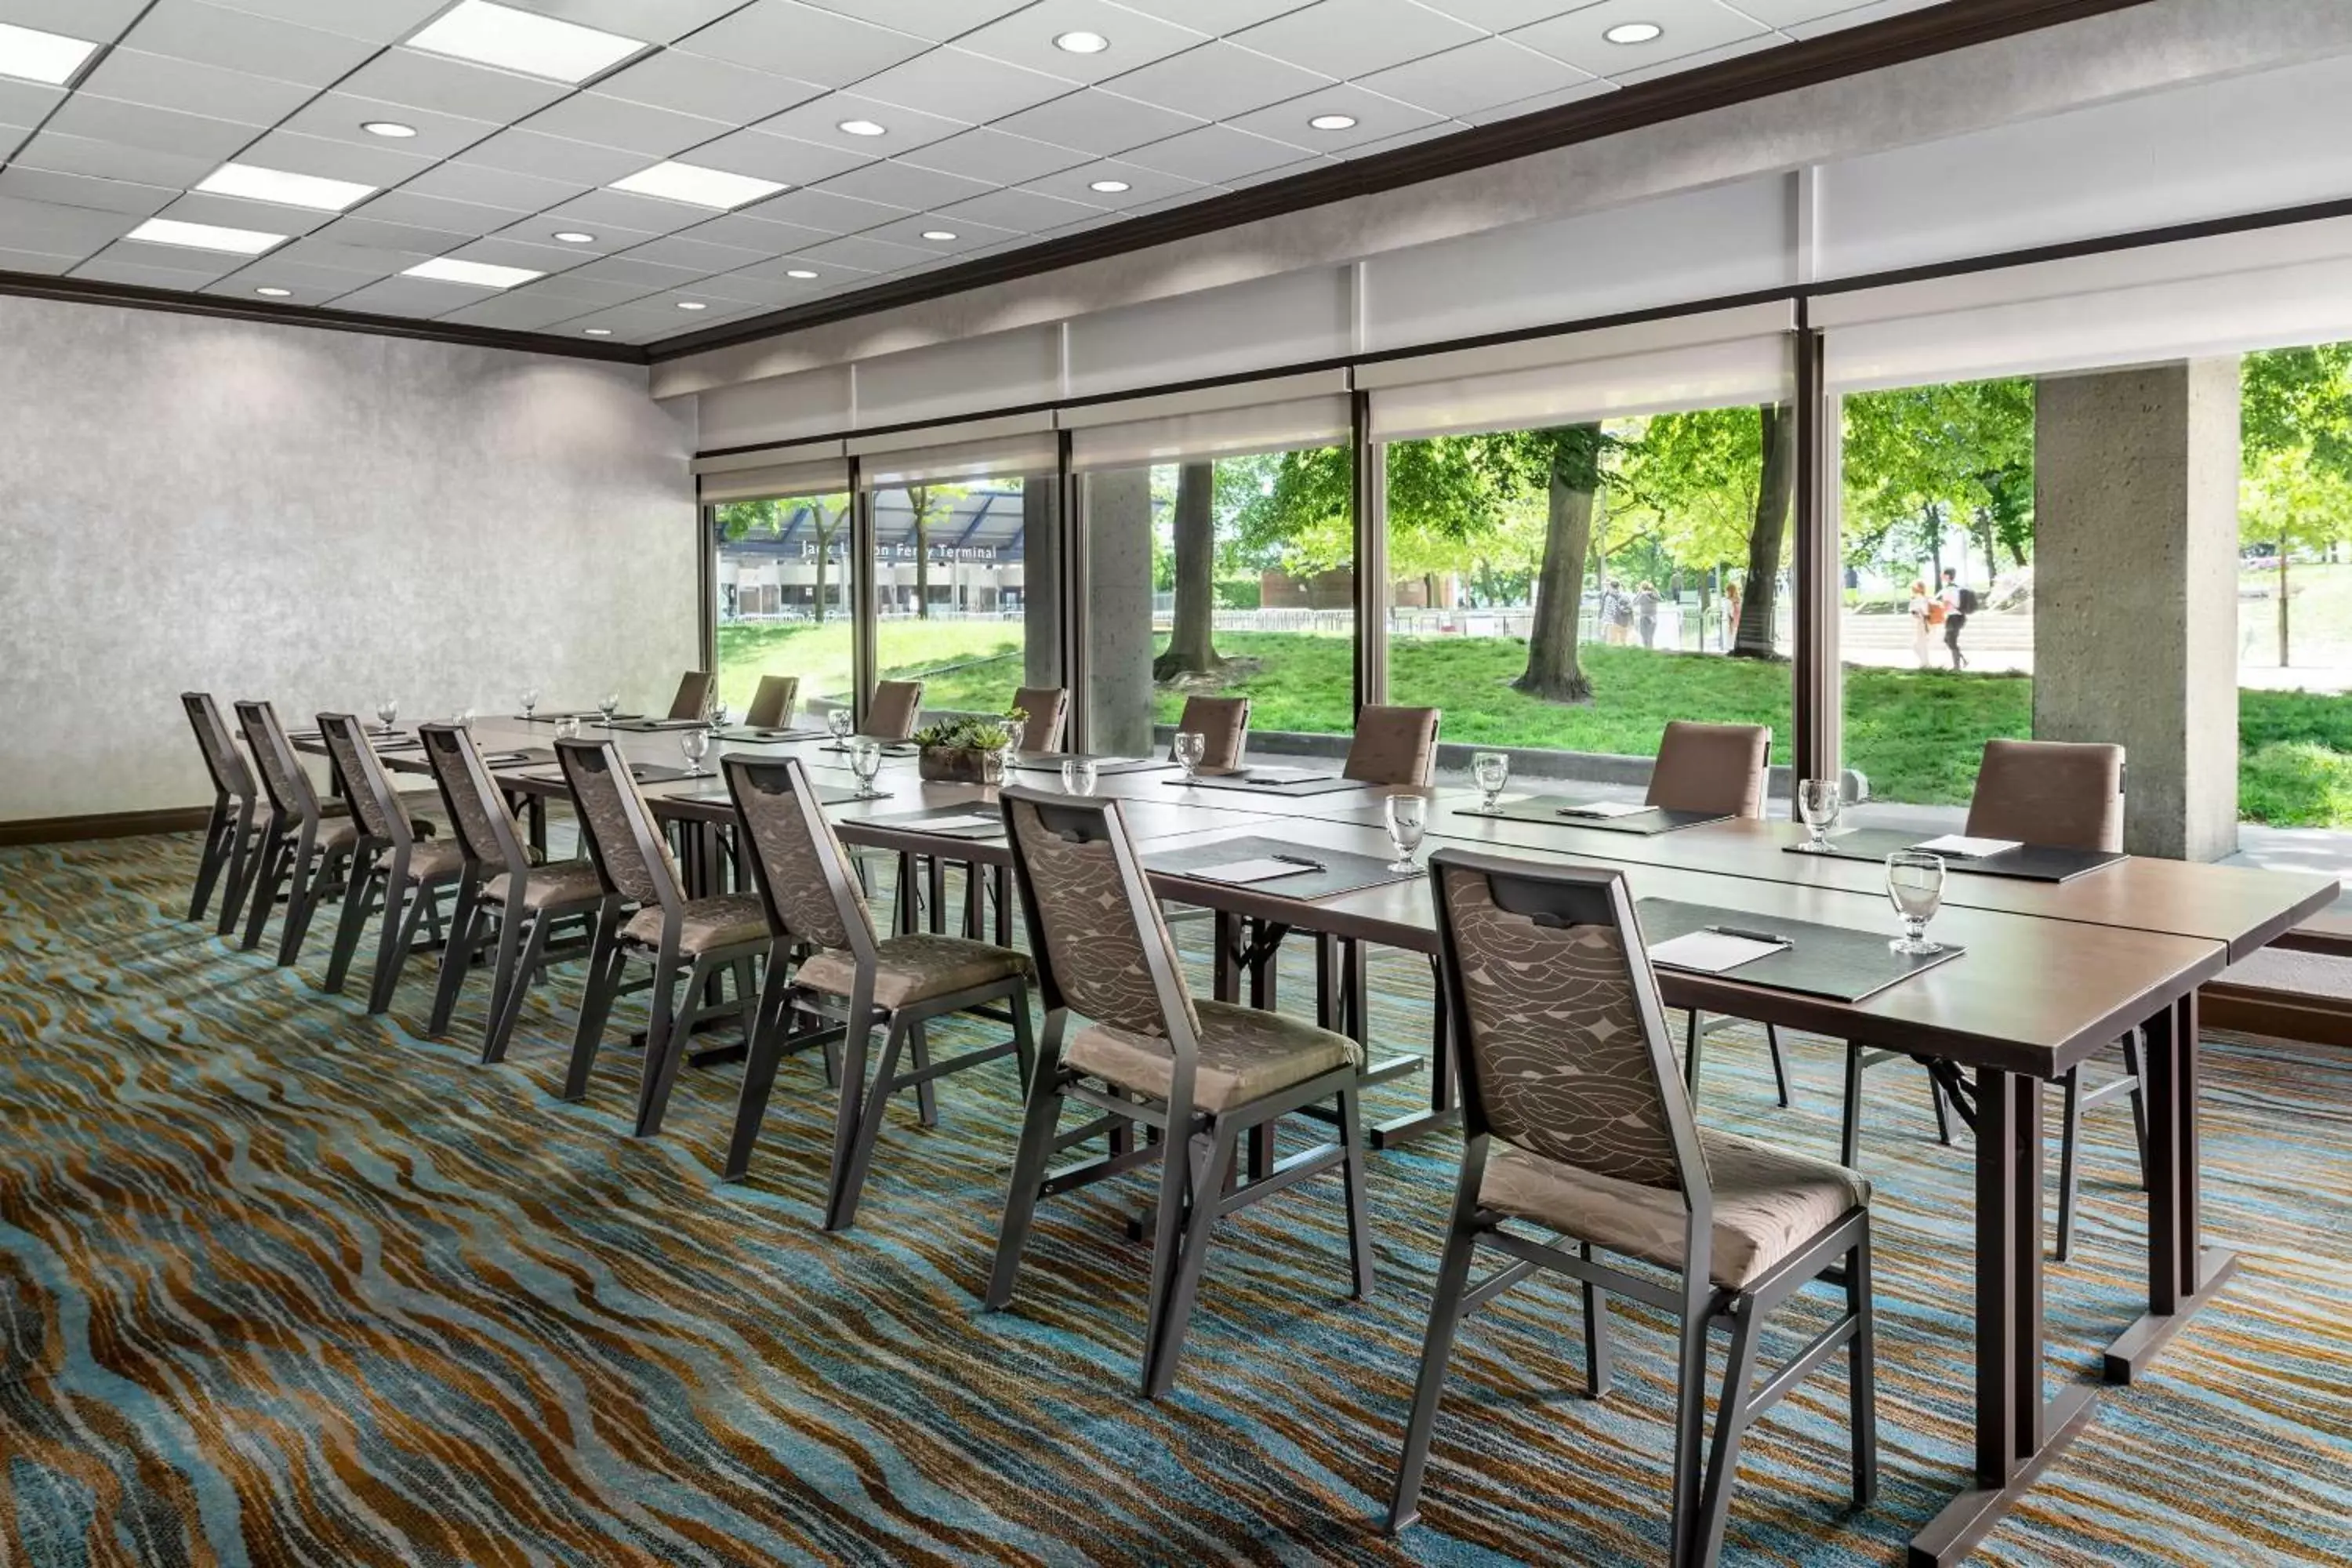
(1914, 35)
(88, 291)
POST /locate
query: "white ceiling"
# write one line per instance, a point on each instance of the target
(993, 133)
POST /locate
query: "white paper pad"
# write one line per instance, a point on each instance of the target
(1709, 952)
(1285, 776)
(1965, 848)
(1262, 869)
(966, 824)
(1603, 808)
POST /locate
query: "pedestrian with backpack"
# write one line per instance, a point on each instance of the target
(1959, 604)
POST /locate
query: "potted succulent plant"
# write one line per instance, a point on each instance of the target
(966, 750)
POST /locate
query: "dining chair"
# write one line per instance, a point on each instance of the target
(896, 705)
(2063, 794)
(1720, 770)
(509, 903)
(683, 942)
(232, 838)
(1575, 1124)
(1048, 710)
(1199, 1074)
(848, 982)
(693, 699)
(398, 866)
(1393, 746)
(305, 844)
(1223, 724)
(771, 704)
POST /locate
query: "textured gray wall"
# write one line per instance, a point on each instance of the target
(317, 518)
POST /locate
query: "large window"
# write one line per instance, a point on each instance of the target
(782, 581)
(965, 588)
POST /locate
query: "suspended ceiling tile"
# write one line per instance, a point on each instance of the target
(32, 185)
(969, 88)
(1681, 63)
(625, 209)
(35, 261)
(409, 206)
(232, 212)
(1484, 74)
(460, 181)
(453, 87)
(787, 160)
(191, 267)
(589, 293)
(298, 154)
(915, 233)
(742, 287)
(25, 104)
(640, 128)
(359, 262)
(1354, 38)
(751, 231)
(697, 255)
(240, 40)
(871, 254)
(413, 297)
(1595, 87)
(247, 282)
(516, 311)
(1023, 212)
(937, 20)
(903, 185)
(1216, 154)
(1502, 16)
(1217, 81)
(556, 158)
(169, 130)
(644, 276)
(1144, 185)
(541, 228)
(652, 21)
(824, 210)
(1690, 26)
(804, 43)
(339, 116)
(1217, 17)
(696, 84)
(113, 269)
(829, 274)
(160, 82)
(378, 21)
(995, 156)
(63, 230)
(1856, 17)
(1026, 38)
(821, 119)
(548, 258)
(1100, 123)
(398, 238)
(1376, 119)
(64, 154)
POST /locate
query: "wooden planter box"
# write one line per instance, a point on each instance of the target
(960, 764)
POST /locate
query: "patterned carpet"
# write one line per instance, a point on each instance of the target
(280, 1283)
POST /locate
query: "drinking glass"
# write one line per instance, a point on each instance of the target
(1491, 771)
(609, 704)
(1408, 818)
(1191, 747)
(720, 717)
(388, 708)
(1915, 885)
(838, 723)
(696, 745)
(530, 702)
(1078, 776)
(567, 727)
(865, 761)
(464, 718)
(1818, 804)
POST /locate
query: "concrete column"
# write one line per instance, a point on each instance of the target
(2136, 590)
(1041, 581)
(1118, 612)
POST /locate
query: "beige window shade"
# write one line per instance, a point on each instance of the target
(1015, 443)
(1218, 422)
(811, 469)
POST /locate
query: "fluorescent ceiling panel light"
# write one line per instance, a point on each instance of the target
(1082, 43)
(30, 55)
(697, 186)
(1634, 33)
(1333, 122)
(205, 236)
(258, 184)
(391, 130)
(861, 128)
(523, 41)
(274, 293)
(447, 269)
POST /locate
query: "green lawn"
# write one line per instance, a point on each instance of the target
(1916, 734)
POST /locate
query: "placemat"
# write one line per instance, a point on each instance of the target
(1546, 808)
(651, 726)
(1243, 782)
(826, 795)
(2026, 863)
(549, 715)
(644, 772)
(520, 756)
(744, 735)
(942, 814)
(1836, 961)
(889, 749)
(1105, 767)
(1343, 871)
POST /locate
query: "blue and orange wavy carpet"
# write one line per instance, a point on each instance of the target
(281, 1283)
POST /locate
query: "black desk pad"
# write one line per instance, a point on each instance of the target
(743, 735)
(889, 748)
(1243, 782)
(2026, 863)
(915, 820)
(549, 715)
(1836, 961)
(1546, 808)
(1105, 766)
(1344, 871)
(651, 726)
(826, 795)
(519, 757)
(644, 772)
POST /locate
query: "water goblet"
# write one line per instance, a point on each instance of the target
(1078, 776)
(1191, 747)
(720, 717)
(1818, 804)
(838, 723)
(696, 745)
(567, 727)
(609, 704)
(1914, 886)
(865, 761)
(464, 718)
(1491, 771)
(388, 708)
(1408, 818)
(530, 703)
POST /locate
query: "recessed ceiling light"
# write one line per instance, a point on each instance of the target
(1109, 187)
(599, 331)
(205, 236)
(692, 305)
(803, 273)
(391, 130)
(861, 128)
(260, 184)
(697, 186)
(1082, 43)
(938, 234)
(573, 237)
(1634, 33)
(29, 55)
(523, 41)
(448, 269)
(1333, 122)
(274, 293)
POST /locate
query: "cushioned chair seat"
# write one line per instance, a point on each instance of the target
(915, 968)
(1767, 1203)
(431, 860)
(708, 923)
(574, 882)
(1247, 1054)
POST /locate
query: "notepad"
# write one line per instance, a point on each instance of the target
(1285, 776)
(1961, 846)
(969, 823)
(1603, 808)
(1711, 953)
(1261, 869)
(499, 758)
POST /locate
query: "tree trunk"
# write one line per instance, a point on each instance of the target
(920, 498)
(1553, 672)
(823, 531)
(1773, 493)
(1191, 643)
(2282, 649)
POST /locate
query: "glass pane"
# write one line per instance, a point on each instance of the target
(783, 595)
(1231, 577)
(1567, 592)
(952, 590)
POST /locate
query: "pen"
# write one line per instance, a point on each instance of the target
(1300, 860)
(1772, 937)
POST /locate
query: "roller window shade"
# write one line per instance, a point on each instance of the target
(1017, 444)
(1284, 427)
(815, 469)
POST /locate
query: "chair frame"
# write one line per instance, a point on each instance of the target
(696, 688)
(233, 843)
(1840, 1256)
(291, 855)
(405, 905)
(1195, 1191)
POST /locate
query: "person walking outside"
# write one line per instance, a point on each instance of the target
(1621, 617)
(1730, 611)
(1645, 614)
(1924, 610)
(1958, 604)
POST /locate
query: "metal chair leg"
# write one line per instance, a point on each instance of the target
(210, 859)
(1437, 1350)
(2138, 1103)
(1691, 1035)
(1039, 1122)
(770, 1035)
(856, 1040)
(1732, 1419)
(1849, 1137)
(404, 910)
(1352, 1172)
(1599, 1371)
(606, 959)
(1780, 1064)
(512, 987)
(266, 880)
(1690, 1429)
(1937, 1098)
(305, 892)
(673, 1025)
(243, 861)
(2069, 1145)
(465, 926)
(849, 1181)
(1200, 1229)
(918, 1055)
(359, 901)
(1862, 1398)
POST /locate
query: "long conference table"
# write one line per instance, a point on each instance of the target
(2052, 975)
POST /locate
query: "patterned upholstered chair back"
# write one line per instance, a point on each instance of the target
(2066, 794)
(222, 762)
(1094, 930)
(619, 828)
(477, 809)
(282, 777)
(1048, 708)
(1223, 724)
(771, 704)
(1393, 746)
(1712, 768)
(891, 715)
(803, 875)
(1567, 1053)
(360, 774)
(693, 699)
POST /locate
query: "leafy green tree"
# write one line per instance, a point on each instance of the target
(1918, 457)
(775, 516)
(928, 503)
(1717, 485)
(1191, 641)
